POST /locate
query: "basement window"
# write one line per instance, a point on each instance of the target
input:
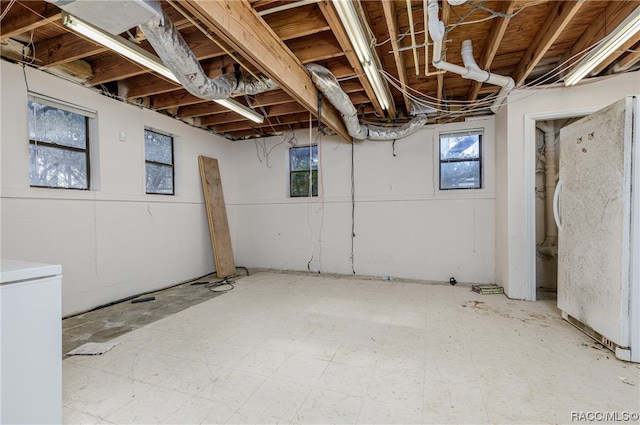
(303, 168)
(461, 160)
(158, 157)
(58, 143)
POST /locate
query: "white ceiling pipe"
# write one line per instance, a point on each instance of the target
(470, 70)
(436, 30)
(549, 247)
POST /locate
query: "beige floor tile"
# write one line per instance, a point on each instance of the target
(290, 348)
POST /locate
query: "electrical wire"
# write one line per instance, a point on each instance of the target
(6, 10)
(353, 208)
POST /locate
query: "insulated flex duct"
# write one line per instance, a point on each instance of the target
(328, 85)
(178, 57)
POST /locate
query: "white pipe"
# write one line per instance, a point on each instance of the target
(549, 246)
(436, 30)
(470, 70)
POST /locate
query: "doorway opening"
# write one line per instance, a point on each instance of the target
(547, 163)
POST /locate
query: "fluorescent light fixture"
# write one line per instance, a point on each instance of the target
(239, 108)
(356, 34)
(146, 59)
(623, 32)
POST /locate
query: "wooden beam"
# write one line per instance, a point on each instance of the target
(615, 55)
(29, 20)
(496, 33)
(148, 85)
(201, 109)
(113, 69)
(334, 21)
(65, 48)
(628, 60)
(440, 77)
(391, 19)
(174, 99)
(297, 23)
(315, 48)
(241, 28)
(615, 12)
(269, 122)
(286, 108)
(559, 17)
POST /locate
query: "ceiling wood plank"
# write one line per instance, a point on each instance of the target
(65, 48)
(556, 21)
(200, 109)
(28, 21)
(391, 19)
(286, 108)
(496, 33)
(297, 23)
(315, 48)
(246, 32)
(148, 85)
(333, 19)
(615, 13)
(175, 99)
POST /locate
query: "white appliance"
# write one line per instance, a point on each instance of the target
(597, 209)
(31, 338)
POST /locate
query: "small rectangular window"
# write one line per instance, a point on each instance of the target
(158, 156)
(303, 168)
(58, 144)
(461, 160)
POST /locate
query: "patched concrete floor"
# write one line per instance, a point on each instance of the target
(105, 323)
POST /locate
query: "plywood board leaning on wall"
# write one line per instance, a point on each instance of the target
(217, 216)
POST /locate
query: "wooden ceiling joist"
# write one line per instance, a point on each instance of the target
(241, 28)
(65, 48)
(391, 19)
(560, 16)
(496, 33)
(25, 22)
(333, 19)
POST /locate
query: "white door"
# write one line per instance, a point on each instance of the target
(593, 204)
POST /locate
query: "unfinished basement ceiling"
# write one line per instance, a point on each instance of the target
(535, 42)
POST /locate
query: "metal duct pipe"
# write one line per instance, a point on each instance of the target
(329, 86)
(178, 57)
(470, 70)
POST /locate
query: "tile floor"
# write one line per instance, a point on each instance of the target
(286, 348)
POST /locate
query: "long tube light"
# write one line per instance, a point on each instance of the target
(623, 32)
(356, 35)
(146, 59)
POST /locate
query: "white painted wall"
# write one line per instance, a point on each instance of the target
(404, 226)
(515, 250)
(113, 241)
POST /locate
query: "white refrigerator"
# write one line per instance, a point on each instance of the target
(597, 209)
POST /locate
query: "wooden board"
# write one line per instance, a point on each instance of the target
(217, 215)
